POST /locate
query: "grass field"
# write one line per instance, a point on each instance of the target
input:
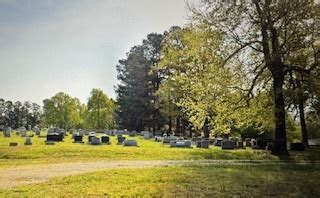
(66, 151)
(185, 181)
(246, 179)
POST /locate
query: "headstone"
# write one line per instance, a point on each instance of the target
(28, 141)
(158, 138)
(13, 144)
(78, 138)
(218, 141)
(54, 137)
(90, 137)
(297, 146)
(144, 133)
(196, 139)
(228, 144)
(180, 143)
(23, 133)
(203, 144)
(253, 143)
(239, 144)
(105, 139)
(37, 130)
(248, 142)
(133, 133)
(130, 143)
(95, 141)
(168, 139)
(7, 132)
(314, 142)
(260, 143)
(120, 139)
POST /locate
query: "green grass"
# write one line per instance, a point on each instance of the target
(187, 181)
(66, 151)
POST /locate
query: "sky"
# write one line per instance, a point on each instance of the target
(48, 46)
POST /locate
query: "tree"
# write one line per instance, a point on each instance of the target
(62, 111)
(266, 33)
(100, 110)
(138, 103)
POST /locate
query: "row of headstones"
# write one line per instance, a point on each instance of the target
(93, 140)
(27, 142)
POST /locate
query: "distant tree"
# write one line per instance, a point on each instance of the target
(62, 111)
(100, 110)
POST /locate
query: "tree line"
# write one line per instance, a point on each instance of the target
(61, 111)
(246, 68)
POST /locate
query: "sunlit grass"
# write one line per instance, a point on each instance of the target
(186, 181)
(66, 151)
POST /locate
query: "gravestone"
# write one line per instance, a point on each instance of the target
(37, 130)
(248, 142)
(90, 137)
(105, 139)
(239, 144)
(23, 133)
(203, 144)
(120, 139)
(168, 139)
(54, 137)
(158, 138)
(130, 143)
(180, 143)
(133, 133)
(28, 141)
(228, 144)
(7, 132)
(218, 141)
(314, 142)
(13, 144)
(196, 139)
(260, 143)
(253, 143)
(95, 141)
(297, 146)
(78, 138)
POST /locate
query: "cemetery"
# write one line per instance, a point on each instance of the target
(183, 98)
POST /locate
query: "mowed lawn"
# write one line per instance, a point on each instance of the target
(185, 181)
(66, 151)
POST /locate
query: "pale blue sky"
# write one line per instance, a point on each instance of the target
(47, 46)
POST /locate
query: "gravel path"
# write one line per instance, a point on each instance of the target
(14, 177)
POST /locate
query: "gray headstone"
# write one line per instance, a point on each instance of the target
(168, 139)
(180, 143)
(95, 141)
(130, 143)
(28, 141)
(228, 144)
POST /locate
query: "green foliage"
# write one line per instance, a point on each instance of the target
(100, 111)
(19, 114)
(62, 111)
(138, 105)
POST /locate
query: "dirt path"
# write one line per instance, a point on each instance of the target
(13, 177)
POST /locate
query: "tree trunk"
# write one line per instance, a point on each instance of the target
(206, 128)
(170, 124)
(280, 142)
(178, 125)
(302, 117)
